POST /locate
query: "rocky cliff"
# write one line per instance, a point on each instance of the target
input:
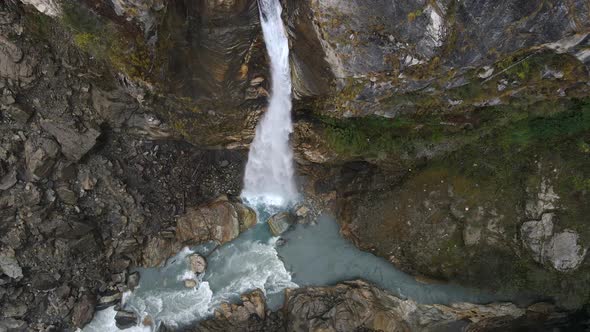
(450, 137)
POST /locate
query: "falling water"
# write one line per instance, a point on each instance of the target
(269, 172)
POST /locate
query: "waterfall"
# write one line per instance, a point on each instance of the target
(269, 171)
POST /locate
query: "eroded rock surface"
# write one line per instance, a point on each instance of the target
(220, 220)
(358, 306)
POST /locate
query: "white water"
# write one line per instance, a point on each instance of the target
(269, 171)
(247, 263)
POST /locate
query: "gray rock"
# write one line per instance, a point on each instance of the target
(125, 319)
(12, 64)
(108, 299)
(83, 310)
(66, 195)
(14, 310)
(74, 144)
(8, 180)
(133, 280)
(197, 263)
(279, 223)
(535, 234)
(564, 252)
(18, 114)
(9, 265)
(43, 281)
(40, 155)
(47, 7)
(13, 325)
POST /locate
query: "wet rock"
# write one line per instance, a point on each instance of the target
(246, 216)
(302, 213)
(74, 143)
(252, 304)
(133, 280)
(190, 283)
(197, 263)
(125, 319)
(564, 251)
(40, 155)
(83, 310)
(220, 220)
(157, 250)
(9, 265)
(108, 299)
(280, 223)
(348, 306)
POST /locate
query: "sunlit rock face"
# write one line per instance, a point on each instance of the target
(47, 7)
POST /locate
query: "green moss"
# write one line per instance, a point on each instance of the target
(415, 14)
(125, 51)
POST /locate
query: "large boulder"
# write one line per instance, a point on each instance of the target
(74, 143)
(280, 223)
(197, 263)
(564, 251)
(125, 319)
(40, 156)
(220, 220)
(83, 310)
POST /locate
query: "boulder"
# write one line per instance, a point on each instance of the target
(9, 265)
(197, 263)
(220, 220)
(190, 283)
(43, 281)
(125, 319)
(108, 299)
(157, 250)
(564, 251)
(74, 143)
(13, 325)
(14, 64)
(40, 156)
(133, 280)
(279, 223)
(83, 310)
(253, 304)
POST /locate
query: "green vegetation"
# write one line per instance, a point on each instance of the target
(373, 136)
(415, 14)
(125, 50)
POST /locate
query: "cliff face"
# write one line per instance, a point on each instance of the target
(452, 136)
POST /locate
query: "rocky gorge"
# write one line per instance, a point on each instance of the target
(451, 138)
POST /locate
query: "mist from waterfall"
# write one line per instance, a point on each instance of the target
(269, 171)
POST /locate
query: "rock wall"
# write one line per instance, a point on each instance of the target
(88, 176)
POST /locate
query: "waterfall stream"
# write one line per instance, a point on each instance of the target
(312, 255)
(269, 171)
